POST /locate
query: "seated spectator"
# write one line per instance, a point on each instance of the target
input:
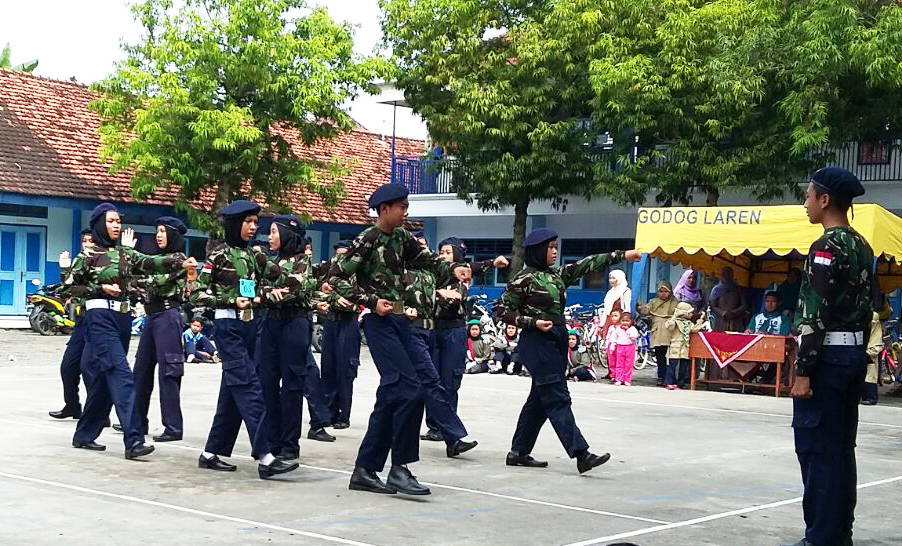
(506, 351)
(772, 321)
(479, 351)
(789, 292)
(579, 366)
(197, 346)
(728, 303)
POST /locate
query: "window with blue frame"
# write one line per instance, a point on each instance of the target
(573, 250)
(489, 249)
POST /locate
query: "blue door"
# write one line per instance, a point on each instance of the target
(21, 261)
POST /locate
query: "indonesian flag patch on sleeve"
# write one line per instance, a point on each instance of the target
(208, 268)
(823, 258)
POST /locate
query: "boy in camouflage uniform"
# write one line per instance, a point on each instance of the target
(835, 300)
(379, 257)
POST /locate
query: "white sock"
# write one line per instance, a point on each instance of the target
(267, 459)
(207, 455)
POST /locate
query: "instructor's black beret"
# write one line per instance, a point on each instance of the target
(838, 182)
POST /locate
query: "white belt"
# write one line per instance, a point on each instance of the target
(851, 339)
(245, 315)
(112, 305)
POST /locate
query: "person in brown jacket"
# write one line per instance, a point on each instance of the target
(660, 309)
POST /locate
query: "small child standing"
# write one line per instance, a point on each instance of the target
(680, 327)
(609, 343)
(623, 341)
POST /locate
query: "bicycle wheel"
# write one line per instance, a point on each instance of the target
(642, 358)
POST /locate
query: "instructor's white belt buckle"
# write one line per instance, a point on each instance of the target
(848, 339)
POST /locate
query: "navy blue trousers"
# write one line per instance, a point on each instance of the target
(161, 342)
(339, 361)
(825, 428)
(320, 416)
(108, 379)
(281, 363)
(240, 394)
(545, 356)
(395, 422)
(450, 359)
(438, 403)
(70, 367)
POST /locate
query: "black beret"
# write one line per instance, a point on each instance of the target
(289, 221)
(241, 207)
(838, 182)
(344, 243)
(101, 210)
(387, 193)
(86, 231)
(173, 222)
(539, 236)
(453, 241)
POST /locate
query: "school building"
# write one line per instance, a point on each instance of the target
(51, 178)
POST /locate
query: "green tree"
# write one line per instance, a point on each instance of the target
(512, 111)
(7, 62)
(203, 105)
(709, 95)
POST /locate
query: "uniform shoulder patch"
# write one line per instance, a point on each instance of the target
(823, 257)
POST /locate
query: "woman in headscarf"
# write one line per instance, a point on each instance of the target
(102, 278)
(161, 338)
(618, 298)
(729, 304)
(230, 283)
(687, 290)
(660, 309)
(534, 301)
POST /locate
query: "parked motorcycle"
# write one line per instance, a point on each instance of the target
(49, 312)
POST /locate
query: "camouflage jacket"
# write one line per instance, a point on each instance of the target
(379, 261)
(323, 269)
(419, 291)
(296, 274)
(165, 287)
(97, 266)
(836, 292)
(217, 284)
(448, 309)
(541, 294)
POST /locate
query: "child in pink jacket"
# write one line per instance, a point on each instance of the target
(623, 338)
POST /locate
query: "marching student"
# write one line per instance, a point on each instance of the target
(535, 300)
(379, 258)
(102, 279)
(228, 283)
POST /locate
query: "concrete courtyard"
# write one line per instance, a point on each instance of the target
(688, 468)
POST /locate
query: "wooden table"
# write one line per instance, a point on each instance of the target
(768, 349)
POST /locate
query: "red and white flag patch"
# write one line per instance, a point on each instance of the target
(208, 268)
(823, 258)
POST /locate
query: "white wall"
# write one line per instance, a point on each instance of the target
(59, 232)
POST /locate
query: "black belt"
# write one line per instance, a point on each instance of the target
(447, 324)
(160, 306)
(341, 315)
(287, 313)
(425, 324)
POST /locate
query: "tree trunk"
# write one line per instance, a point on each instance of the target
(220, 200)
(520, 216)
(713, 196)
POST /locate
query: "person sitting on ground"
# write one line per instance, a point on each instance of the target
(580, 366)
(197, 347)
(680, 326)
(772, 321)
(506, 351)
(479, 351)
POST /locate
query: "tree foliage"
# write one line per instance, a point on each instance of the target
(204, 101)
(6, 61)
(511, 111)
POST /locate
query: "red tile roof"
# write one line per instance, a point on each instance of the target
(49, 146)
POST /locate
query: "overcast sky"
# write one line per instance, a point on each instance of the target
(81, 39)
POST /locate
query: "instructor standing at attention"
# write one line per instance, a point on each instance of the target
(835, 300)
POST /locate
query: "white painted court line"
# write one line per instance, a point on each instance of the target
(436, 485)
(680, 406)
(184, 509)
(712, 517)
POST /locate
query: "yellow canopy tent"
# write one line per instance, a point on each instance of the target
(760, 242)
